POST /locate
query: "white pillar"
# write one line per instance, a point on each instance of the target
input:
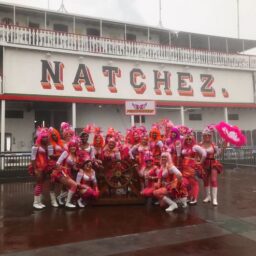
(2, 125)
(182, 117)
(226, 114)
(101, 31)
(74, 115)
(45, 20)
(74, 24)
(209, 43)
(14, 15)
(190, 41)
(140, 120)
(125, 31)
(132, 121)
(2, 131)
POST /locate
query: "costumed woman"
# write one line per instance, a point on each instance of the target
(98, 145)
(173, 145)
(66, 164)
(39, 165)
(67, 133)
(87, 183)
(149, 174)
(170, 187)
(156, 144)
(211, 166)
(138, 151)
(86, 150)
(55, 149)
(111, 151)
(192, 158)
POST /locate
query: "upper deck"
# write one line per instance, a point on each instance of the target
(46, 30)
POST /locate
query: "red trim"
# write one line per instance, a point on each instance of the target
(16, 97)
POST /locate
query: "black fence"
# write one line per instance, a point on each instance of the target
(14, 164)
(245, 156)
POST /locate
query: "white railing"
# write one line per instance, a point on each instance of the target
(137, 50)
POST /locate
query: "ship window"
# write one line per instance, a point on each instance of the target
(137, 119)
(33, 25)
(93, 32)
(130, 37)
(195, 117)
(7, 21)
(233, 117)
(14, 114)
(60, 28)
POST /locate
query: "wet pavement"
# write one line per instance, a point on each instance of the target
(229, 229)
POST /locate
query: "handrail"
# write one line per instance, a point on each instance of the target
(15, 35)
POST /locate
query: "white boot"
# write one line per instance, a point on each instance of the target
(53, 199)
(69, 198)
(61, 196)
(80, 202)
(36, 203)
(192, 202)
(208, 195)
(172, 205)
(40, 201)
(183, 201)
(214, 196)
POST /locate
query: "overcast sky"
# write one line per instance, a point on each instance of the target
(214, 17)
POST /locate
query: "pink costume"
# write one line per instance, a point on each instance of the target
(66, 163)
(39, 154)
(168, 182)
(98, 152)
(189, 166)
(155, 144)
(67, 133)
(125, 155)
(112, 154)
(137, 152)
(86, 152)
(211, 166)
(125, 151)
(98, 143)
(150, 176)
(39, 164)
(55, 148)
(87, 185)
(173, 144)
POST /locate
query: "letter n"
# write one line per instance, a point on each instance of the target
(49, 75)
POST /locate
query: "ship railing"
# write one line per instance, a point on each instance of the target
(17, 35)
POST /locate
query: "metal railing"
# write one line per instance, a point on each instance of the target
(15, 35)
(245, 156)
(19, 161)
(14, 161)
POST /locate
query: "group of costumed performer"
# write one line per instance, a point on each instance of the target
(169, 161)
(66, 161)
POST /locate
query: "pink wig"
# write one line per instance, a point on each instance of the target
(41, 133)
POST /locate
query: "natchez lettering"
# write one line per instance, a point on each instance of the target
(162, 80)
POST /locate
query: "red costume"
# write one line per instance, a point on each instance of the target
(149, 174)
(211, 167)
(87, 184)
(191, 155)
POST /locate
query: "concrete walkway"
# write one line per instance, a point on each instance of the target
(229, 229)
